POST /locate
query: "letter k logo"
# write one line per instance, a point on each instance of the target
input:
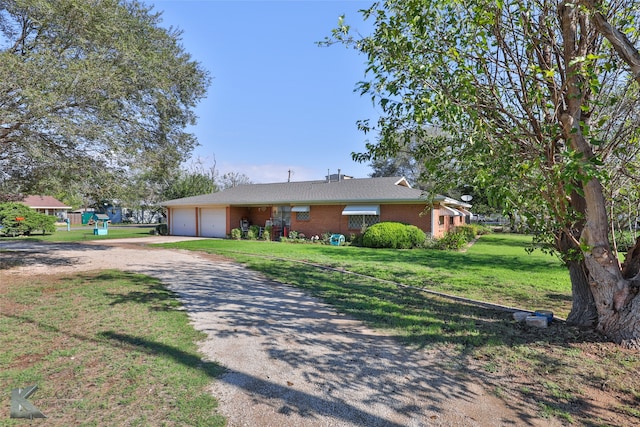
(20, 407)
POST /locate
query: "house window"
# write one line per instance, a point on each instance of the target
(361, 216)
(441, 220)
(303, 216)
(451, 220)
(358, 222)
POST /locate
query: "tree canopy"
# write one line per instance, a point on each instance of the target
(539, 103)
(92, 84)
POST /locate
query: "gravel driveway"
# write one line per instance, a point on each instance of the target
(292, 360)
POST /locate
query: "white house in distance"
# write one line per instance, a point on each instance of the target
(47, 205)
(337, 204)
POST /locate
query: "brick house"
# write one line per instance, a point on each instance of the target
(47, 205)
(337, 204)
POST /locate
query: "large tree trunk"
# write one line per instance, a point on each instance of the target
(616, 296)
(618, 305)
(583, 311)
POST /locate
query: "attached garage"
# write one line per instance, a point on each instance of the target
(183, 222)
(213, 222)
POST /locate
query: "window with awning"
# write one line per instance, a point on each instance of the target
(302, 213)
(361, 216)
(447, 211)
(361, 210)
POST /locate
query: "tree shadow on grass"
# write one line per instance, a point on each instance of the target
(194, 361)
(424, 321)
(153, 294)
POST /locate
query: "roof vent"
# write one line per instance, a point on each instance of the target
(336, 177)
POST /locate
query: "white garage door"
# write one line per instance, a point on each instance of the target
(183, 222)
(213, 222)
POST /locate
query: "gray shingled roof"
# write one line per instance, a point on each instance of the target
(361, 190)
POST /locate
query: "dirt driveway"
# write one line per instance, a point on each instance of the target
(292, 360)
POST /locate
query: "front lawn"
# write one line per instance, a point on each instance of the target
(495, 269)
(114, 348)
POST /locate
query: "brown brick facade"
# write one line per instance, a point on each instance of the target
(329, 219)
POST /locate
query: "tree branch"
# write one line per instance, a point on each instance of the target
(621, 44)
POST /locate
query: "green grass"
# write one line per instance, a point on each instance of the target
(560, 370)
(86, 233)
(107, 335)
(104, 349)
(495, 269)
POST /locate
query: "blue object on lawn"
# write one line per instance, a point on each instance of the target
(336, 239)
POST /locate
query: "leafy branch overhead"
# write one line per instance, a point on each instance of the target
(95, 81)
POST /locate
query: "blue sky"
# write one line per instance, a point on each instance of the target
(277, 101)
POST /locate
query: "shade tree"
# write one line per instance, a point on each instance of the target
(95, 84)
(539, 100)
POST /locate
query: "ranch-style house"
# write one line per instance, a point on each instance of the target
(337, 204)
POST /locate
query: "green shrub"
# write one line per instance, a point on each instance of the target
(253, 232)
(416, 236)
(162, 229)
(431, 242)
(355, 239)
(266, 233)
(452, 241)
(624, 241)
(468, 231)
(393, 235)
(236, 234)
(17, 219)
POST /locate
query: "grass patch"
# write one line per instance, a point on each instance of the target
(496, 269)
(111, 348)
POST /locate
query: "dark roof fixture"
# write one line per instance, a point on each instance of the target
(336, 177)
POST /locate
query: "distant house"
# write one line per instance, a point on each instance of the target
(334, 205)
(47, 205)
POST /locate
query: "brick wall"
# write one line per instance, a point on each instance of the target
(418, 215)
(444, 223)
(329, 218)
(322, 219)
(234, 215)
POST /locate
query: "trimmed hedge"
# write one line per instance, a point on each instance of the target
(394, 235)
